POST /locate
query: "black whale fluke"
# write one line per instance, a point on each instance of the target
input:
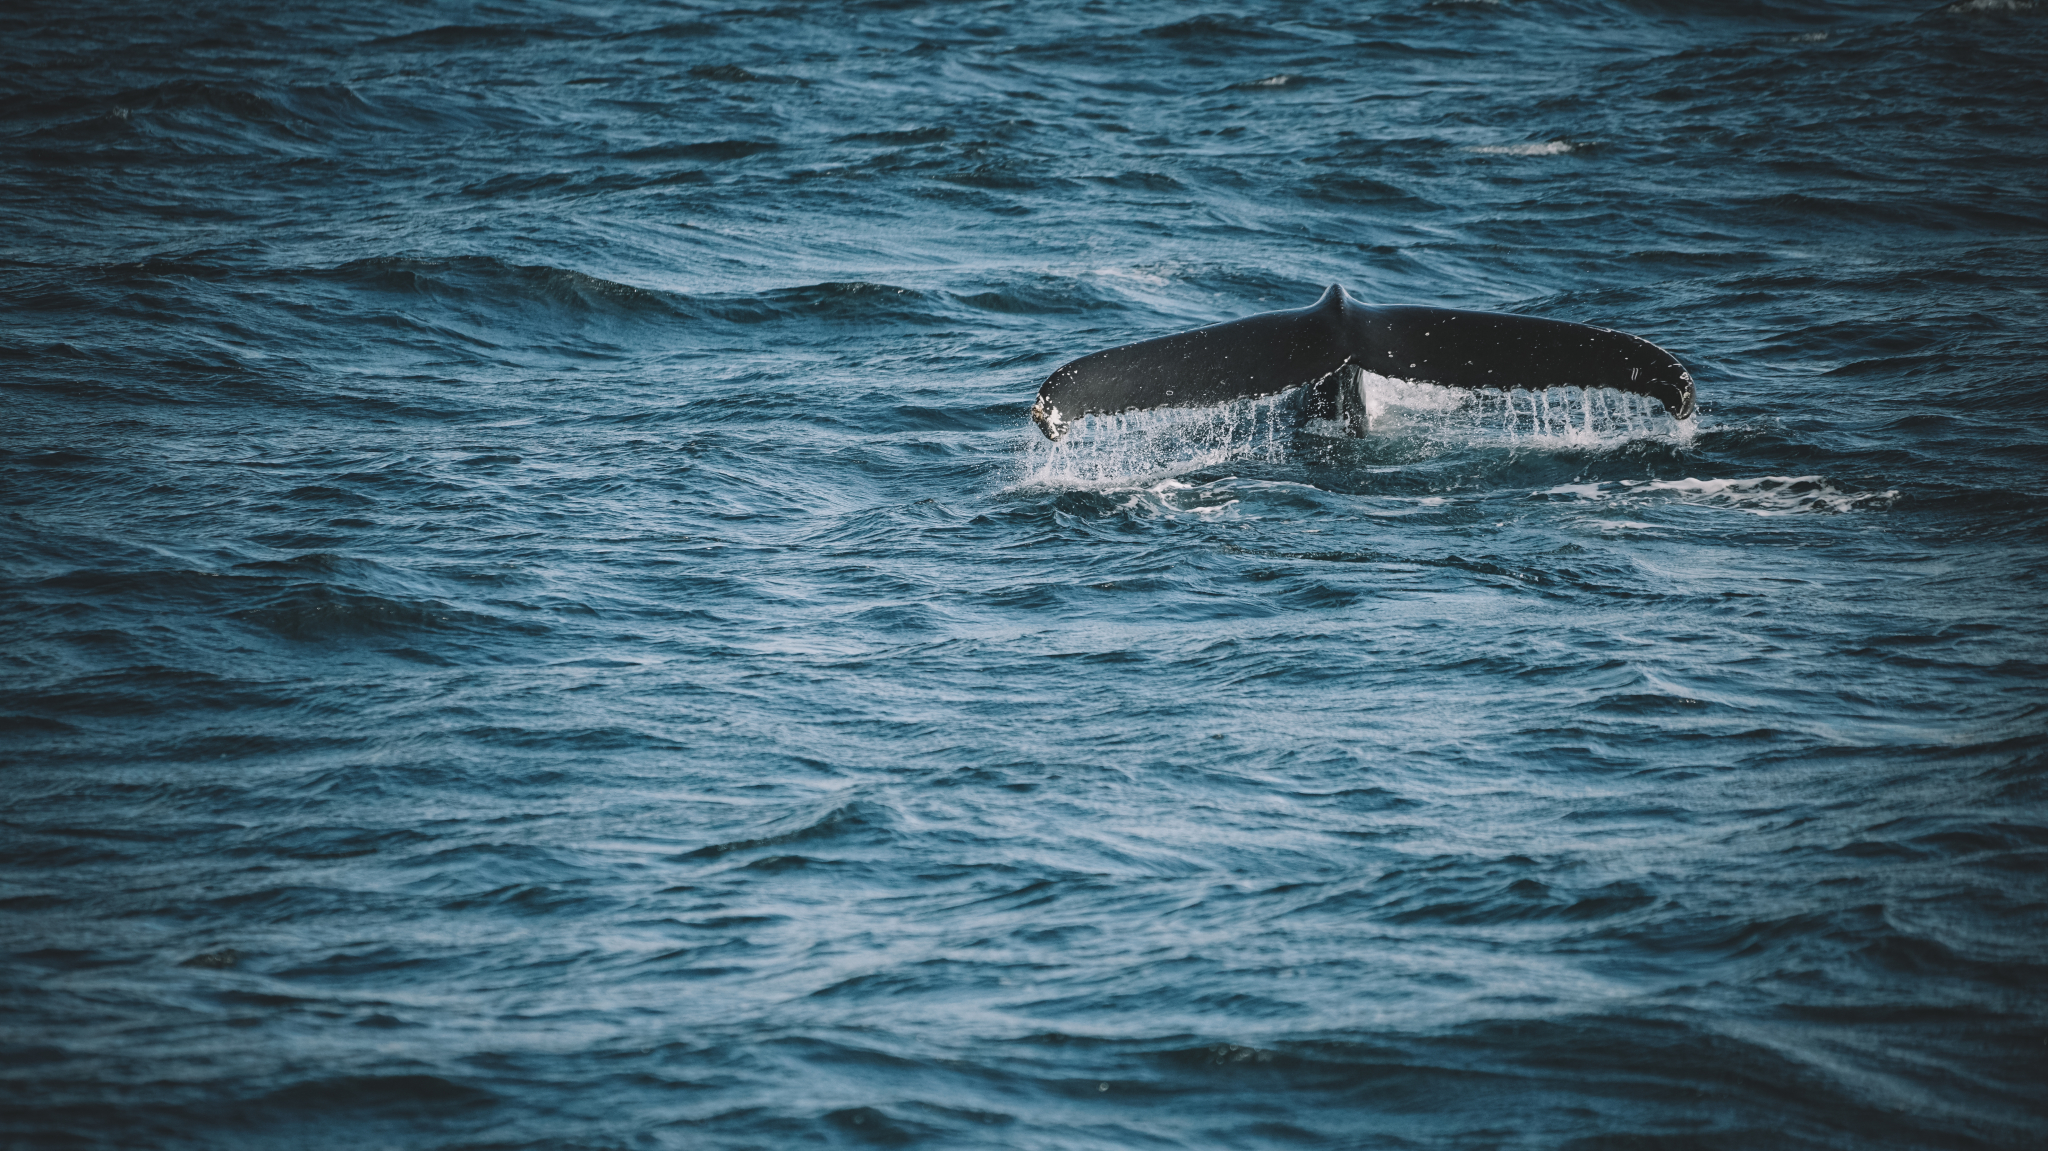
(1269, 353)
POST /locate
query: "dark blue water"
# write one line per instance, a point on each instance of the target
(534, 616)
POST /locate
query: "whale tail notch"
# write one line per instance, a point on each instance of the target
(1325, 343)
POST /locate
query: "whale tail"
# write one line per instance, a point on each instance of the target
(1320, 345)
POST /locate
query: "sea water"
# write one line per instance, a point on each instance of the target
(534, 615)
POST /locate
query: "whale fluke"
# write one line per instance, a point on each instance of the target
(1271, 352)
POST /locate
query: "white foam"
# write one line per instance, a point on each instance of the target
(1547, 148)
(1759, 496)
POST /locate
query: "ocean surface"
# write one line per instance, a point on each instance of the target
(532, 614)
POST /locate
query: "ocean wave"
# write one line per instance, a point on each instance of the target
(847, 302)
(493, 283)
(856, 820)
(323, 612)
(1971, 7)
(194, 116)
(1218, 28)
(387, 1095)
(474, 36)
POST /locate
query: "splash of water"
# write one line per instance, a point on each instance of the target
(1144, 447)
(1115, 451)
(1562, 416)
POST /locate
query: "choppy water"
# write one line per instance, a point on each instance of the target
(534, 616)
